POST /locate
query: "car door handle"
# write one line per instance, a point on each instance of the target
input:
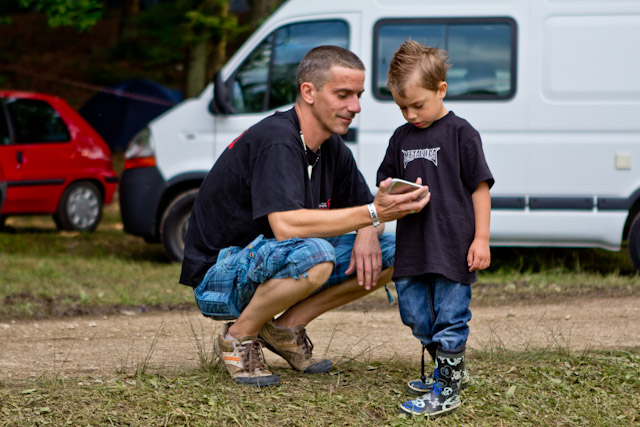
(19, 157)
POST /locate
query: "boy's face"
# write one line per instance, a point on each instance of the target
(421, 107)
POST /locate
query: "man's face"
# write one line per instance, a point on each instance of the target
(338, 102)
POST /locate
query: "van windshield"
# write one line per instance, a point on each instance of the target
(267, 78)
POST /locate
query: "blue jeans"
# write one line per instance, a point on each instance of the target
(231, 282)
(436, 309)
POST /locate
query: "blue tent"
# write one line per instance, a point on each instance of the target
(119, 112)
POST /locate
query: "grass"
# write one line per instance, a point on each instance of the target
(507, 388)
(50, 273)
(46, 273)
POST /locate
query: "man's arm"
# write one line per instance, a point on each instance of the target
(479, 255)
(366, 257)
(305, 223)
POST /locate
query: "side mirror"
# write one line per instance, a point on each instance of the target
(221, 101)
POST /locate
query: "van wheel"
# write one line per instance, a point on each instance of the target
(175, 222)
(80, 208)
(633, 242)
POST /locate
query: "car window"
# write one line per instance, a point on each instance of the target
(5, 137)
(267, 79)
(36, 121)
(481, 51)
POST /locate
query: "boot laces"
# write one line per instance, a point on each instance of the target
(304, 342)
(251, 355)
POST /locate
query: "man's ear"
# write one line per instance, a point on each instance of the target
(308, 92)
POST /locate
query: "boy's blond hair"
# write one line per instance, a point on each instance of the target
(428, 64)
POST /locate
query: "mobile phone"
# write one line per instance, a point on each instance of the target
(400, 186)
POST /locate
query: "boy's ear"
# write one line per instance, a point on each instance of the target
(308, 92)
(442, 89)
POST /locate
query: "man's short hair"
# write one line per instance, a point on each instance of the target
(428, 64)
(317, 63)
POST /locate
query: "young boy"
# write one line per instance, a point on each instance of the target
(439, 249)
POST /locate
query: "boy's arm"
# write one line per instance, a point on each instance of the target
(479, 255)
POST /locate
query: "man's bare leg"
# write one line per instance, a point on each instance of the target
(276, 295)
(308, 309)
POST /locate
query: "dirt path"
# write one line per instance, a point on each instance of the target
(104, 346)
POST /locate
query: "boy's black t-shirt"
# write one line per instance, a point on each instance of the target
(448, 157)
(263, 171)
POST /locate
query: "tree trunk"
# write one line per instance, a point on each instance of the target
(196, 76)
(208, 53)
(130, 8)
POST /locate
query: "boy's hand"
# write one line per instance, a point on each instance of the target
(479, 256)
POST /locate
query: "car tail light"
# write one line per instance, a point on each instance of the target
(140, 153)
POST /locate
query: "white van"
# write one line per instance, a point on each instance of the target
(553, 86)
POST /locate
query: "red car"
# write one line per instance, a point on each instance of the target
(53, 162)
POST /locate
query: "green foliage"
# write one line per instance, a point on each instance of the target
(80, 14)
(207, 23)
(160, 34)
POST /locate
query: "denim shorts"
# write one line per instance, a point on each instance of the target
(436, 309)
(231, 282)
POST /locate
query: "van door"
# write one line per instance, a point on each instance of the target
(265, 80)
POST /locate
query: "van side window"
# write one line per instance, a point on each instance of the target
(267, 78)
(482, 52)
(36, 121)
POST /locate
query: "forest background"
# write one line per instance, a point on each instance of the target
(75, 48)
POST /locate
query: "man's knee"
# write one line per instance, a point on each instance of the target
(319, 274)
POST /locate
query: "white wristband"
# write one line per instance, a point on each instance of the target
(374, 214)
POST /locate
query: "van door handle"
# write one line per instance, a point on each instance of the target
(351, 135)
(19, 157)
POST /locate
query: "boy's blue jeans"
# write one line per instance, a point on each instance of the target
(436, 309)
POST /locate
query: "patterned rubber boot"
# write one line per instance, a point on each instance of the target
(444, 395)
(423, 385)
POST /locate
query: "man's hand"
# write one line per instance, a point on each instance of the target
(479, 255)
(366, 257)
(395, 206)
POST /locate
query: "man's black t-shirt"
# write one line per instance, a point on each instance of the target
(448, 157)
(264, 171)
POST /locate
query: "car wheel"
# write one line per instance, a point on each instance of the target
(80, 208)
(174, 224)
(633, 241)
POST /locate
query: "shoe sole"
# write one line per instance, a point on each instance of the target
(321, 367)
(410, 413)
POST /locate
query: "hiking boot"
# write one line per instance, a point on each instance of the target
(444, 395)
(294, 346)
(244, 359)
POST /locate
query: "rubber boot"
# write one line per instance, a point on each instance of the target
(423, 385)
(444, 395)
